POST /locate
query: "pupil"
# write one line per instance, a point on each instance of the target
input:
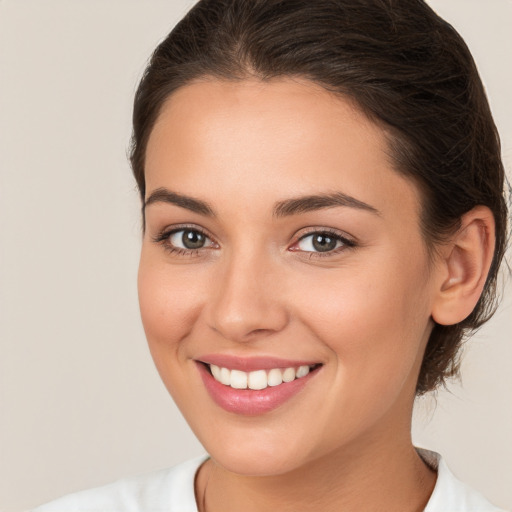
(192, 240)
(324, 243)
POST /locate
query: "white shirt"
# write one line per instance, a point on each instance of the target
(172, 490)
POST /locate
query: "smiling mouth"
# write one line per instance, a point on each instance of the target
(258, 379)
(254, 386)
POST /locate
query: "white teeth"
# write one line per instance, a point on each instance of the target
(275, 377)
(225, 376)
(215, 371)
(258, 379)
(289, 374)
(238, 379)
(302, 371)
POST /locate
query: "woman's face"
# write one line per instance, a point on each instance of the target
(279, 236)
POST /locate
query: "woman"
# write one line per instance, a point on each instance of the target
(324, 221)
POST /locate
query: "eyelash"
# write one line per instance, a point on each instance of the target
(163, 239)
(346, 243)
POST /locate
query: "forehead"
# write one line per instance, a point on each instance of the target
(265, 108)
(252, 137)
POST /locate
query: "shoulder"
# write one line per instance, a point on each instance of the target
(169, 490)
(450, 494)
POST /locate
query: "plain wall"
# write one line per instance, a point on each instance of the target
(80, 401)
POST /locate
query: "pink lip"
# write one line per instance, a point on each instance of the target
(249, 364)
(250, 402)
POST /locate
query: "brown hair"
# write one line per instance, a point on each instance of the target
(404, 66)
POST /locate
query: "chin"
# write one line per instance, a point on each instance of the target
(252, 450)
(256, 463)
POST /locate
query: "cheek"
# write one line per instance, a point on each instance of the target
(169, 308)
(168, 304)
(374, 319)
(374, 327)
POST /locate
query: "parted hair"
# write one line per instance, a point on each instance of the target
(405, 67)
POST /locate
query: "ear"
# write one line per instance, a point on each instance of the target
(464, 266)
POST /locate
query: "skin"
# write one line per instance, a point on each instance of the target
(363, 311)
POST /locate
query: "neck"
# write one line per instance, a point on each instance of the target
(374, 474)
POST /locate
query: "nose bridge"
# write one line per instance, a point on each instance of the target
(246, 301)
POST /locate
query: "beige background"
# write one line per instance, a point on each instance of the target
(80, 401)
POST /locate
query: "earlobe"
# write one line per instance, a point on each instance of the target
(466, 261)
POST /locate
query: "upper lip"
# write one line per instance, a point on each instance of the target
(252, 363)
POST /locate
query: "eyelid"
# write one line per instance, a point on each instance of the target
(162, 237)
(169, 230)
(348, 241)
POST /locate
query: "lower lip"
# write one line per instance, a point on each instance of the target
(252, 402)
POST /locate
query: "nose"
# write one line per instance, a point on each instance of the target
(246, 301)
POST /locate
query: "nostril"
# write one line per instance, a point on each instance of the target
(255, 332)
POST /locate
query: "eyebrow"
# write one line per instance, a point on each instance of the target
(283, 208)
(320, 201)
(163, 195)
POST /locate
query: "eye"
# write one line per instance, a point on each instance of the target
(184, 241)
(322, 242)
(189, 239)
